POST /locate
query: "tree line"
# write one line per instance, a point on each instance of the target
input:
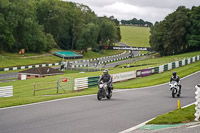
(136, 22)
(179, 32)
(40, 25)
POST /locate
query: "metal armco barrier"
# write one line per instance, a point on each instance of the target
(6, 91)
(197, 103)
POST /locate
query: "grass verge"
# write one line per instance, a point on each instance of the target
(175, 117)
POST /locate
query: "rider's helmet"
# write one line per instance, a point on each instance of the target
(105, 71)
(174, 74)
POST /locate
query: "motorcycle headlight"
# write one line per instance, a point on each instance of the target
(101, 85)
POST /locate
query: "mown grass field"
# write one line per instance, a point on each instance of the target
(135, 36)
(14, 59)
(23, 90)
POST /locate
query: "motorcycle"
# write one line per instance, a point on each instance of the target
(175, 89)
(103, 91)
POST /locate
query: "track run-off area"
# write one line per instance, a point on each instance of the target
(85, 114)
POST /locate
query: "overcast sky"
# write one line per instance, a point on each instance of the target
(148, 10)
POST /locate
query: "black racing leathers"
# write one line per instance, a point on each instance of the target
(108, 79)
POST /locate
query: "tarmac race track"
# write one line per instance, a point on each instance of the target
(86, 114)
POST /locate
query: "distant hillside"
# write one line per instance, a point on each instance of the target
(136, 22)
(135, 36)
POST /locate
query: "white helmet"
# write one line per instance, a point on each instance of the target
(105, 71)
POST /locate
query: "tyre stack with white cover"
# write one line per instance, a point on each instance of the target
(197, 103)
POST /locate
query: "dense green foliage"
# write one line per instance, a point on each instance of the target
(178, 32)
(136, 22)
(40, 25)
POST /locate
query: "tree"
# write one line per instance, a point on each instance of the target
(156, 38)
(88, 37)
(194, 34)
(39, 25)
(56, 17)
(169, 36)
(136, 22)
(107, 32)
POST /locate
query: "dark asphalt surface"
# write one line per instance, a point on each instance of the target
(110, 65)
(8, 75)
(126, 109)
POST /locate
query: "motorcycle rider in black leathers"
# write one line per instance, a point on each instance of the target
(106, 78)
(176, 78)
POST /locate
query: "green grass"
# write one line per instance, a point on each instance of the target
(135, 36)
(23, 90)
(10, 60)
(14, 59)
(176, 116)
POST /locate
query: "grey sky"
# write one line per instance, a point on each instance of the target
(148, 10)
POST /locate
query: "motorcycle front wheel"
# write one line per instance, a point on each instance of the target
(173, 92)
(99, 96)
(109, 95)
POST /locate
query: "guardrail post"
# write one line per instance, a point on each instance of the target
(197, 103)
(33, 89)
(57, 86)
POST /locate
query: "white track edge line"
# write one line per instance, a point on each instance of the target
(135, 127)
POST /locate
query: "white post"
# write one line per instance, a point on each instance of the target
(88, 66)
(197, 103)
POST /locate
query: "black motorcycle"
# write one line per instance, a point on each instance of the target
(103, 91)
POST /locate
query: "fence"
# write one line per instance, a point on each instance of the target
(63, 83)
(197, 103)
(44, 86)
(6, 91)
